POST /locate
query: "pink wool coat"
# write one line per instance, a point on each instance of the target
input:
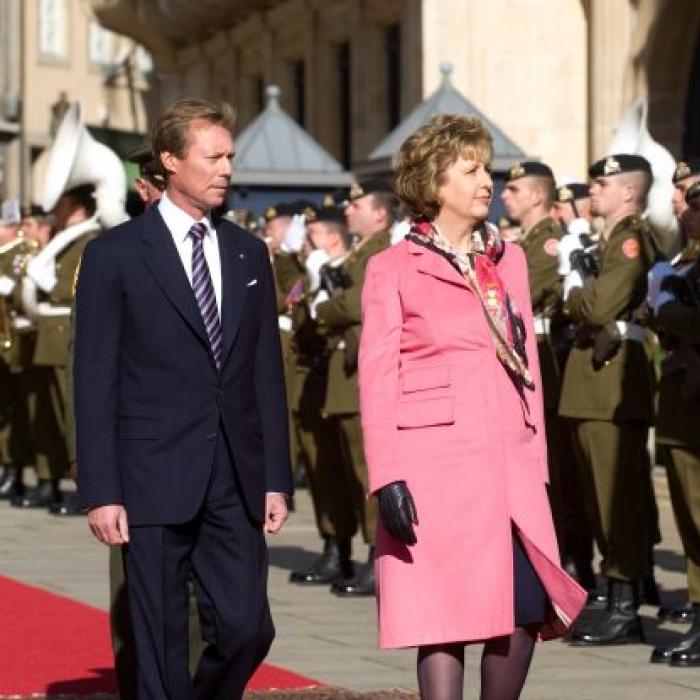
(439, 411)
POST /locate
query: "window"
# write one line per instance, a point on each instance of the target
(392, 49)
(345, 105)
(101, 45)
(53, 29)
(299, 87)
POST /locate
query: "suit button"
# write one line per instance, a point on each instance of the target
(211, 436)
(220, 392)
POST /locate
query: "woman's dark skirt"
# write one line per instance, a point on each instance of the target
(531, 599)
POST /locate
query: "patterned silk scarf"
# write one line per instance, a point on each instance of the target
(479, 269)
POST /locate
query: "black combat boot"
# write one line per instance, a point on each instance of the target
(40, 496)
(619, 624)
(686, 650)
(11, 485)
(333, 564)
(361, 584)
(676, 613)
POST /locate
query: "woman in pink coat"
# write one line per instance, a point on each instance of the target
(453, 426)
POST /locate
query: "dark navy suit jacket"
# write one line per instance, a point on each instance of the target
(149, 401)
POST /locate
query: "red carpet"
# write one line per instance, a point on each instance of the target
(54, 645)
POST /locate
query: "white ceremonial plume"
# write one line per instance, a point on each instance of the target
(75, 159)
(632, 136)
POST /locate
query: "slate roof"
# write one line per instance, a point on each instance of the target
(275, 151)
(446, 99)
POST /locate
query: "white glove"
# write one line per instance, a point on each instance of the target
(399, 231)
(317, 258)
(658, 273)
(579, 226)
(662, 299)
(296, 233)
(571, 281)
(7, 284)
(567, 245)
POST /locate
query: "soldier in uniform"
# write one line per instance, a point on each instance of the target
(529, 196)
(686, 174)
(674, 298)
(47, 295)
(319, 433)
(607, 392)
(369, 215)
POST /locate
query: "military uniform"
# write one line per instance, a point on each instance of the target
(341, 316)
(607, 393)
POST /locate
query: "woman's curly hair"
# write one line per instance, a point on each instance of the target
(425, 156)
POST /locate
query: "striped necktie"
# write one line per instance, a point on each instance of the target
(204, 291)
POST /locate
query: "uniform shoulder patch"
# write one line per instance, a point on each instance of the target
(630, 248)
(550, 246)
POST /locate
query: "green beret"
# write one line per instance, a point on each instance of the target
(361, 189)
(693, 193)
(326, 214)
(686, 168)
(572, 192)
(529, 167)
(619, 163)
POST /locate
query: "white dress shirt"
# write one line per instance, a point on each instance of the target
(179, 223)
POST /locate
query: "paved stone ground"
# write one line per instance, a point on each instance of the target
(334, 641)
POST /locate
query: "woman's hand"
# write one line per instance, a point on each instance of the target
(398, 511)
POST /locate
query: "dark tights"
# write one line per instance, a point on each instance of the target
(504, 666)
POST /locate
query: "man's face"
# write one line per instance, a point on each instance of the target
(275, 231)
(66, 213)
(690, 220)
(518, 197)
(323, 237)
(607, 195)
(565, 214)
(679, 190)
(201, 177)
(363, 218)
(8, 232)
(38, 230)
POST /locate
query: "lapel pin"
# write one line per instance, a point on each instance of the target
(241, 256)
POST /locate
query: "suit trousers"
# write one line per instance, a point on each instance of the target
(683, 470)
(616, 486)
(224, 550)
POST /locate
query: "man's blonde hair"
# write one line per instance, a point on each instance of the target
(426, 155)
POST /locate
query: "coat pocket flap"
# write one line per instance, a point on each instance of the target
(132, 428)
(423, 378)
(426, 413)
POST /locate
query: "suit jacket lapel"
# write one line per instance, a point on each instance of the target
(431, 263)
(162, 259)
(234, 278)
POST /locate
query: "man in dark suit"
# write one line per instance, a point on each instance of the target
(183, 445)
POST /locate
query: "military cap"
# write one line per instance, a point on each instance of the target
(143, 156)
(686, 168)
(33, 210)
(281, 209)
(693, 193)
(361, 189)
(572, 192)
(619, 163)
(529, 167)
(328, 214)
(506, 222)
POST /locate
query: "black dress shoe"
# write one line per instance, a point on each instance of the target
(333, 564)
(688, 657)
(11, 485)
(678, 613)
(40, 496)
(597, 600)
(684, 648)
(68, 506)
(360, 585)
(619, 624)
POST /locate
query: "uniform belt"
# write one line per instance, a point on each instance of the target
(285, 323)
(542, 324)
(630, 331)
(46, 309)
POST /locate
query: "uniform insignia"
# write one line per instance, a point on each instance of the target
(611, 167)
(75, 276)
(564, 194)
(630, 248)
(682, 171)
(516, 171)
(356, 191)
(328, 201)
(270, 213)
(309, 214)
(550, 246)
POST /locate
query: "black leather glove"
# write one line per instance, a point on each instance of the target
(398, 511)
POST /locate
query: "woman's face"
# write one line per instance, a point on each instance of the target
(466, 192)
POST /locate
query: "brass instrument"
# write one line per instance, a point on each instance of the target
(19, 267)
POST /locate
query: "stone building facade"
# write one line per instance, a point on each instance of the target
(53, 51)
